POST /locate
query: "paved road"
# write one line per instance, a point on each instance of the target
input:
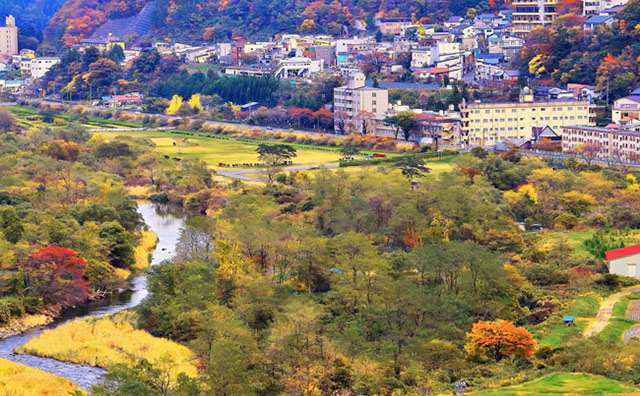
(606, 310)
(242, 173)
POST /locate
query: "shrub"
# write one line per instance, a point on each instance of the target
(196, 125)
(5, 312)
(567, 221)
(32, 304)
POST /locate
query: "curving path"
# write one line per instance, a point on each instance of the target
(606, 310)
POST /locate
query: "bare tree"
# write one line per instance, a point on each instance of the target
(588, 152)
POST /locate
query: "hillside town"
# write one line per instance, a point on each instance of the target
(474, 50)
(319, 197)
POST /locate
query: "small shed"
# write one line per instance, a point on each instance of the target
(569, 320)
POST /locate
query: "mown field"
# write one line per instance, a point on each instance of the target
(215, 149)
(555, 333)
(436, 167)
(27, 117)
(564, 384)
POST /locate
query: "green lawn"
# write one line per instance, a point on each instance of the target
(214, 149)
(584, 308)
(27, 117)
(564, 384)
(574, 238)
(619, 324)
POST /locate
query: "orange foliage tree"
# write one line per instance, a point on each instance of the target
(499, 339)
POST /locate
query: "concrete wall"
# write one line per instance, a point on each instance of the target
(620, 266)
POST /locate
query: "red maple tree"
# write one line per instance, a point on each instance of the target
(56, 275)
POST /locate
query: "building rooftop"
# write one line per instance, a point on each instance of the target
(619, 131)
(597, 19)
(622, 252)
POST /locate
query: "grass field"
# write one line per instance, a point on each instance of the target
(619, 324)
(109, 340)
(27, 117)
(19, 380)
(436, 167)
(146, 246)
(564, 384)
(215, 149)
(583, 308)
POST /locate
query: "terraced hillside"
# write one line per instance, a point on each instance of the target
(139, 24)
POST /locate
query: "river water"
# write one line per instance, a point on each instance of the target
(166, 222)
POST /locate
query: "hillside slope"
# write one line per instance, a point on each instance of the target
(33, 13)
(193, 20)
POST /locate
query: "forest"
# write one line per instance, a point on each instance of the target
(331, 282)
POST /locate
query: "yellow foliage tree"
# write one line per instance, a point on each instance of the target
(194, 102)
(308, 26)
(535, 64)
(174, 105)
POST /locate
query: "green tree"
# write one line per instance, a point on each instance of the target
(116, 54)
(411, 166)
(407, 121)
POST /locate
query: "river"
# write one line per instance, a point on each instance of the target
(166, 223)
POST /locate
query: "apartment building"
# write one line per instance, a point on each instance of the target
(595, 7)
(38, 67)
(102, 44)
(486, 124)
(8, 39)
(355, 104)
(393, 25)
(626, 108)
(613, 143)
(530, 14)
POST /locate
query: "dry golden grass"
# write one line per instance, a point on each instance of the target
(19, 380)
(109, 340)
(139, 191)
(147, 245)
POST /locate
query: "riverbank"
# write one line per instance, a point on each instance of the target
(109, 340)
(164, 221)
(21, 380)
(27, 322)
(143, 253)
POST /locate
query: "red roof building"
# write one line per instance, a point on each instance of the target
(622, 252)
(624, 261)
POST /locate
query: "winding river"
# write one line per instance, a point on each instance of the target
(166, 223)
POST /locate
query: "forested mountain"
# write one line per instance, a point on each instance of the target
(192, 20)
(33, 13)
(607, 57)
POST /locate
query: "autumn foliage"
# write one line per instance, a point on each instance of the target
(499, 339)
(56, 275)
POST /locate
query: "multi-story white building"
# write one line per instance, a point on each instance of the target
(298, 67)
(595, 7)
(8, 39)
(355, 104)
(530, 14)
(40, 66)
(613, 143)
(626, 108)
(489, 123)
